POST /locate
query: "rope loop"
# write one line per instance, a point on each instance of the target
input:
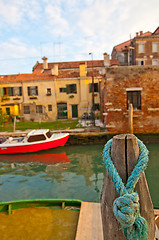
(126, 207)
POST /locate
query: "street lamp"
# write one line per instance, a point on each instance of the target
(93, 114)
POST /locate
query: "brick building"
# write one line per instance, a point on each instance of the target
(138, 85)
(143, 49)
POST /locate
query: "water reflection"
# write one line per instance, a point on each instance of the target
(75, 172)
(67, 172)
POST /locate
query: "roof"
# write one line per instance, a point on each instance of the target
(122, 46)
(38, 67)
(156, 32)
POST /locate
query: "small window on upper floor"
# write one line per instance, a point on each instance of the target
(155, 47)
(62, 90)
(32, 90)
(71, 88)
(141, 48)
(155, 62)
(96, 88)
(48, 92)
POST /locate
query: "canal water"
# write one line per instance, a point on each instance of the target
(70, 172)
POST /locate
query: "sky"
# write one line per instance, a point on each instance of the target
(68, 30)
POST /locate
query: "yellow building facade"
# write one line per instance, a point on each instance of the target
(53, 91)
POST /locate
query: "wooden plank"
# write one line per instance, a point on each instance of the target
(90, 222)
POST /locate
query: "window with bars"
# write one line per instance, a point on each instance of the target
(26, 109)
(39, 109)
(134, 98)
(49, 108)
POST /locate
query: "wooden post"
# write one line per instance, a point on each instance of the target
(131, 118)
(14, 124)
(124, 153)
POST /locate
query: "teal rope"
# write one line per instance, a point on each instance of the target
(126, 208)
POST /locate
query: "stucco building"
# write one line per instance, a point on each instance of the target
(53, 91)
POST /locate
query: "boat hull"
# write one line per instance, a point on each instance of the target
(39, 146)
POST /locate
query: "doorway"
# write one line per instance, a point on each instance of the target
(74, 111)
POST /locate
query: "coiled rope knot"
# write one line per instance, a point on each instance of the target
(126, 207)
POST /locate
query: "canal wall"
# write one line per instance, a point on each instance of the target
(102, 138)
(90, 138)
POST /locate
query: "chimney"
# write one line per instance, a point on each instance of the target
(45, 64)
(55, 70)
(141, 32)
(106, 60)
(83, 69)
(137, 34)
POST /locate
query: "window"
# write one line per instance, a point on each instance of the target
(26, 109)
(95, 87)
(33, 90)
(39, 109)
(8, 110)
(141, 48)
(141, 62)
(37, 138)
(96, 107)
(17, 91)
(154, 47)
(155, 62)
(62, 90)
(71, 88)
(48, 91)
(49, 108)
(134, 98)
(11, 91)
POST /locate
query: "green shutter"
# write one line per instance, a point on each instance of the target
(20, 91)
(90, 87)
(67, 91)
(75, 88)
(2, 92)
(36, 89)
(28, 91)
(10, 91)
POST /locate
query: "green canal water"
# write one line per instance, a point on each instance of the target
(74, 172)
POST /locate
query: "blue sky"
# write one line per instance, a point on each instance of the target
(67, 30)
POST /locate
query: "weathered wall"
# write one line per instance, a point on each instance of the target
(115, 113)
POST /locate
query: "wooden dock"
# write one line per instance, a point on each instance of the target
(90, 222)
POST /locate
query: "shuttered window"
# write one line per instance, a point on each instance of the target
(71, 88)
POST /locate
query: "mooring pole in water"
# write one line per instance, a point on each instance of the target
(124, 154)
(14, 124)
(131, 118)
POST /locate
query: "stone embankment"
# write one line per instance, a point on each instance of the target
(88, 136)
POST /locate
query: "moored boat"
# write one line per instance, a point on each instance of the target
(36, 140)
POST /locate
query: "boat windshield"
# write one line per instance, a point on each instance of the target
(48, 134)
(36, 138)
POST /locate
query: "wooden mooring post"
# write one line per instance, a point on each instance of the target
(124, 154)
